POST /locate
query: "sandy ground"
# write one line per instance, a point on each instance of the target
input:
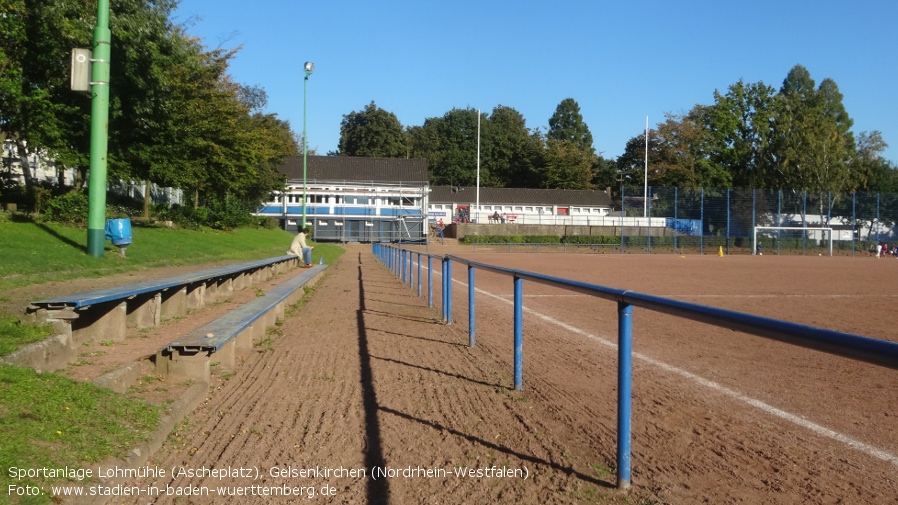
(365, 378)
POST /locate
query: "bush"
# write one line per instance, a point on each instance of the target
(267, 223)
(11, 191)
(42, 195)
(70, 208)
(228, 214)
(591, 239)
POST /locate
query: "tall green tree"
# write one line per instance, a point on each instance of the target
(372, 132)
(176, 118)
(631, 164)
(604, 173)
(869, 170)
(740, 123)
(566, 125)
(208, 126)
(449, 144)
(835, 141)
(37, 109)
(680, 153)
(268, 141)
(813, 144)
(515, 152)
(567, 166)
(569, 152)
(146, 46)
(812, 139)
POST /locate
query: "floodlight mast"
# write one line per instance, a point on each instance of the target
(309, 67)
(645, 200)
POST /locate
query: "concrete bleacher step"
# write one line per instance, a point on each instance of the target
(109, 314)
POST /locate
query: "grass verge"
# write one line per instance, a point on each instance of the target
(35, 253)
(14, 334)
(52, 422)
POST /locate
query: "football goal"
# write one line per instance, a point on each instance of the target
(793, 237)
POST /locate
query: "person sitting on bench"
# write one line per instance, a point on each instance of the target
(298, 247)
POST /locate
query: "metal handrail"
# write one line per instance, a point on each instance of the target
(857, 347)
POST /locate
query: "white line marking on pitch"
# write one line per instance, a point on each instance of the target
(823, 431)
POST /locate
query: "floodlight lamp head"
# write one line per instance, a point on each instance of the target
(309, 67)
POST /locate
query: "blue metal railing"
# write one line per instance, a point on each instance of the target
(879, 352)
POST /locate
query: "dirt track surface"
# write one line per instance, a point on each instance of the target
(366, 377)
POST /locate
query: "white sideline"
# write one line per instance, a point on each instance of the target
(823, 431)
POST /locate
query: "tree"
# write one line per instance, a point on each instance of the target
(146, 47)
(449, 144)
(568, 141)
(812, 141)
(175, 116)
(740, 124)
(835, 142)
(681, 153)
(37, 109)
(870, 171)
(566, 125)
(207, 125)
(604, 173)
(567, 166)
(515, 153)
(372, 132)
(631, 164)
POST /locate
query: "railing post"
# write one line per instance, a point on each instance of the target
(518, 333)
(448, 290)
(411, 263)
(701, 236)
(419, 275)
(754, 205)
(728, 221)
(804, 221)
(429, 281)
(676, 217)
(623, 215)
(624, 391)
(471, 322)
(855, 236)
(648, 238)
(443, 285)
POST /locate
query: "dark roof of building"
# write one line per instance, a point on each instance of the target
(353, 169)
(520, 196)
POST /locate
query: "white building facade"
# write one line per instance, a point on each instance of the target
(349, 199)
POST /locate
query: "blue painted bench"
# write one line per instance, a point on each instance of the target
(106, 314)
(190, 356)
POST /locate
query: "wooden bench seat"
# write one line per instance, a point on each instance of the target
(190, 356)
(106, 314)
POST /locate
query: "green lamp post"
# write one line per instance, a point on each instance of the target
(99, 127)
(309, 68)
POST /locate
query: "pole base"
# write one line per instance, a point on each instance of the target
(96, 241)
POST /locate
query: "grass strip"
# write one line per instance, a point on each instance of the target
(50, 421)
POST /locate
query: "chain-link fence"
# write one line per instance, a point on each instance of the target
(711, 220)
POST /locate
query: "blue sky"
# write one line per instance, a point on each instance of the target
(621, 61)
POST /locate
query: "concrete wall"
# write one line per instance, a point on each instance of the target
(463, 229)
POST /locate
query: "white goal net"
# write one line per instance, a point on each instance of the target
(772, 238)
